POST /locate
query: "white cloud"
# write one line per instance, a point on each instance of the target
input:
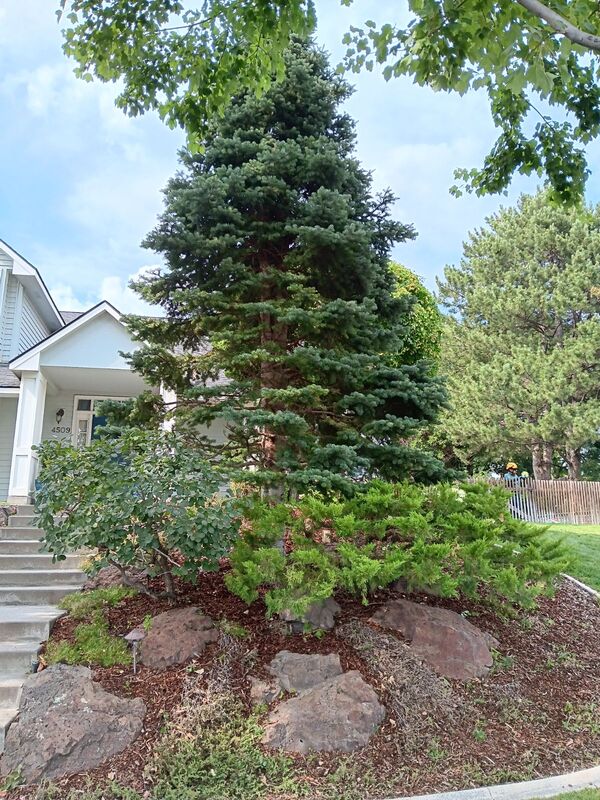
(113, 288)
(119, 201)
(65, 298)
(117, 292)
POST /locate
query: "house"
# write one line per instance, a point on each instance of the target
(54, 368)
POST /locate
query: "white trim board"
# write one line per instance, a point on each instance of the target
(22, 268)
(29, 360)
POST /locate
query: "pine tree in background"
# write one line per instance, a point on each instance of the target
(522, 354)
(278, 296)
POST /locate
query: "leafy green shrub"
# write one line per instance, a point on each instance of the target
(81, 605)
(93, 645)
(144, 500)
(451, 539)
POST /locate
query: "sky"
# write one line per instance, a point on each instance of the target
(80, 183)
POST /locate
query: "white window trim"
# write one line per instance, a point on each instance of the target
(77, 415)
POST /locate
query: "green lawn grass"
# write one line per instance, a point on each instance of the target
(583, 541)
(586, 794)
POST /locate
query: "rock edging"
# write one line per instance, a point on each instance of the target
(581, 585)
(528, 790)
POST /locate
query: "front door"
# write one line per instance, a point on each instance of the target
(85, 420)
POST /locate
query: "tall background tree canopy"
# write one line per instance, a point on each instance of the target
(522, 350)
(279, 298)
(186, 62)
(424, 322)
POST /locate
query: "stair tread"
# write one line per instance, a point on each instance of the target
(41, 571)
(7, 715)
(40, 613)
(20, 646)
(37, 556)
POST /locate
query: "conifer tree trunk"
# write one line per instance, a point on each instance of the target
(273, 338)
(542, 461)
(573, 459)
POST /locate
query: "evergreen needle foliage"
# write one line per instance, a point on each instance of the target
(449, 539)
(279, 298)
(522, 351)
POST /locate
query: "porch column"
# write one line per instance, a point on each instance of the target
(170, 400)
(28, 432)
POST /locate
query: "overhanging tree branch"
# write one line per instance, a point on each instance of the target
(562, 25)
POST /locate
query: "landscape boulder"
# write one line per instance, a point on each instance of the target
(110, 576)
(296, 672)
(176, 636)
(320, 615)
(340, 714)
(263, 692)
(67, 723)
(444, 640)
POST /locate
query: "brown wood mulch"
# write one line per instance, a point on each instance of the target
(537, 713)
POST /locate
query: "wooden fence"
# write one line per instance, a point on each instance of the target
(569, 502)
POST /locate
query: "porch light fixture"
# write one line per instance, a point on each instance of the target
(59, 415)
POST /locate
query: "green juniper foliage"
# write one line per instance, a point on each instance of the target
(451, 539)
(277, 279)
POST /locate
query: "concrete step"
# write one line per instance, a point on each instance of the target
(21, 521)
(27, 622)
(36, 561)
(10, 692)
(26, 509)
(18, 657)
(6, 717)
(17, 547)
(20, 533)
(41, 577)
(16, 595)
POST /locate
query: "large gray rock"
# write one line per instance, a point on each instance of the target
(320, 615)
(444, 640)
(341, 714)
(263, 692)
(67, 723)
(296, 672)
(111, 576)
(176, 636)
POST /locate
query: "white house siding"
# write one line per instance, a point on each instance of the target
(32, 328)
(50, 428)
(7, 323)
(8, 416)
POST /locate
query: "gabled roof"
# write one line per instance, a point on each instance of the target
(71, 316)
(8, 380)
(18, 363)
(31, 279)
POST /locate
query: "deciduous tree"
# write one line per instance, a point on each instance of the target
(187, 61)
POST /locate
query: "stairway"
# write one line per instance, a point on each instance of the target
(30, 587)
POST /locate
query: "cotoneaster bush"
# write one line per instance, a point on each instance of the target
(450, 539)
(144, 500)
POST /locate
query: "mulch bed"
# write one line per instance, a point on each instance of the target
(512, 725)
